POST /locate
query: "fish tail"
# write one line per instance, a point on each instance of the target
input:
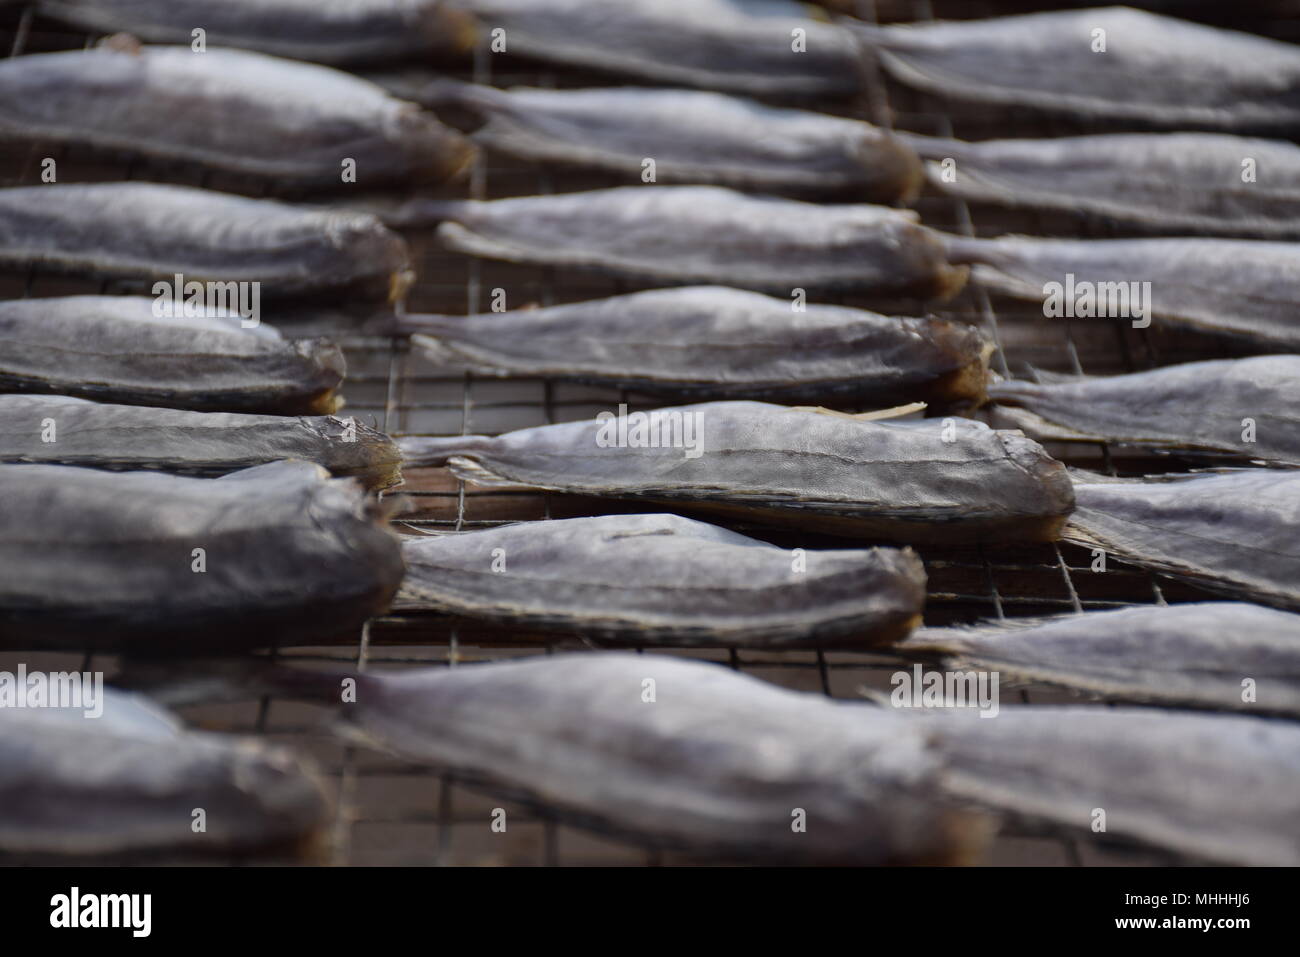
(425, 323)
(449, 92)
(188, 681)
(430, 450)
(967, 249)
(931, 147)
(424, 212)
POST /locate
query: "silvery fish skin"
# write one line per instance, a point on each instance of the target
(1197, 405)
(1219, 788)
(944, 480)
(337, 32)
(701, 234)
(716, 341)
(248, 113)
(126, 783)
(129, 437)
(684, 754)
(1233, 533)
(1244, 288)
(1155, 71)
(147, 231)
(1197, 655)
(693, 137)
(663, 579)
(288, 555)
(1191, 184)
(117, 349)
(729, 45)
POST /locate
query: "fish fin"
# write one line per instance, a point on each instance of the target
(891, 413)
(295, 470)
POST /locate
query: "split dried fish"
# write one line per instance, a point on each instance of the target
(1199, 184)
(1245, 406)
(701, 234)
(1219, 788)
(1106, 63)
(1238, 287)
(322, 31)
(692, 137)
(147, 231)
(127, 782)
(115, 348)
(946, 480)
(664, 579)
(132, 561)
(1216, 655)
(248, 113)
(711, 340)
(58, 430)
(771, 48)
(1233, 532)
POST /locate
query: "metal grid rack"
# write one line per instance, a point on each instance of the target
(390, 812)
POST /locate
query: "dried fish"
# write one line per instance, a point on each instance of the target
(679, 753)
(1197, 184)
(700, 234)
(58, 430)
(692, 137)
(1233, 533)
(715, 341)
(230, 110)
(1246, 406)
(663, 579)
(118, 349)
(1216, 655)
(275, 554)
(322, 31)
(126, 783)
(147, 231)
(946, 480)
(1219, 788)
(774, 48)
(1238, 287)
(1107, 63)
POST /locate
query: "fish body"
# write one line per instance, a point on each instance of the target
(117, 348)
(1244, 406)
(337, 32)
(715, 341)
(128, 437)
(1233, 533)
(1105, 63)
(1176, 184)
(230, 110)
(692, 137)
(933, 480)
(151, 232)
(1213, 655)
(142, 561)
(706, 234)
(664, 579)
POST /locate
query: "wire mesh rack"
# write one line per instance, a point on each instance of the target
(391, 812)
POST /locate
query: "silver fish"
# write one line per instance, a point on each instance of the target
(131, 561)
(949, 480)
(126, 783)
(1219, 788)
(337, 32)
(118, 349)
(774, 47)
(715, 341)
(1199, 655)
(663, 579)
(1245, 406)
(147, 231)
(700, 234)
(58, 430)
(1233, 533)
(248, 113)
(1155, 71)
(1238, 287)
(1197, 184)
(692, 137)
